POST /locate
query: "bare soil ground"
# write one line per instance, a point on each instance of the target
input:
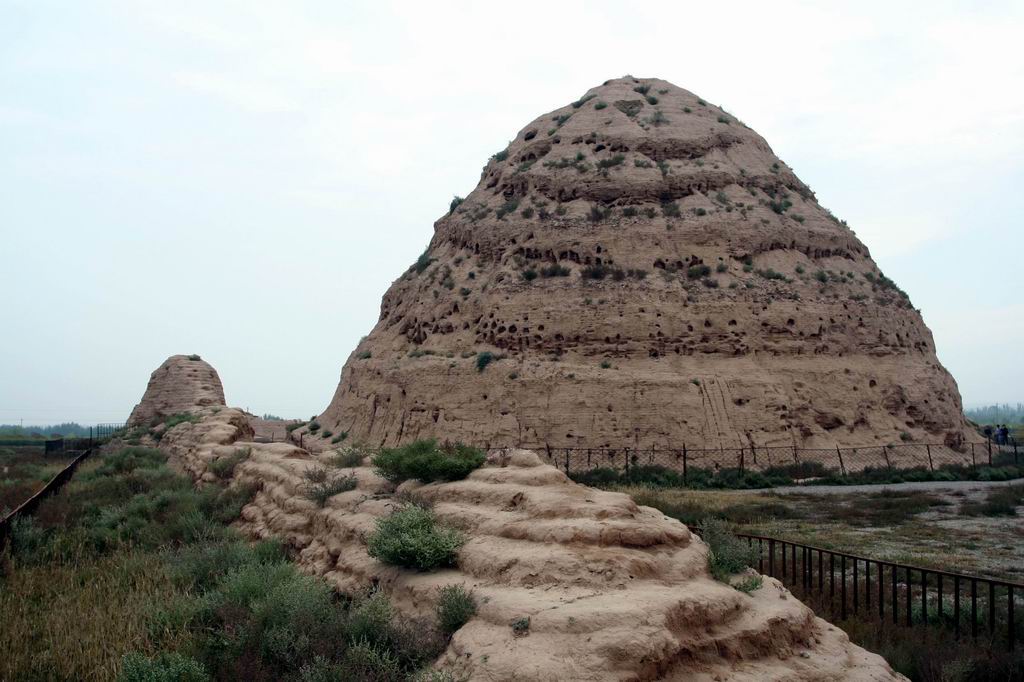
(973, 527)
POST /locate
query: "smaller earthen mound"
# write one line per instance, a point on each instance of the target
(183, 383)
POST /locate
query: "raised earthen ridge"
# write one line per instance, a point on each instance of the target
(638, 269)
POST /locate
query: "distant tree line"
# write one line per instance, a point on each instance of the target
(997, 414)
(65, 429)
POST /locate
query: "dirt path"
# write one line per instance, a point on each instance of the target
(925, 486)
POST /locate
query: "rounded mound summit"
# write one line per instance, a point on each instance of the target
(637, 268)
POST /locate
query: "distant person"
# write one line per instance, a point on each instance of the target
(1004, 435)
(987, 431)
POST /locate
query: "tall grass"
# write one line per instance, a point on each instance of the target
(131, 572)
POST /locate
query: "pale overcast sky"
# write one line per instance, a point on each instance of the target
(243, 180)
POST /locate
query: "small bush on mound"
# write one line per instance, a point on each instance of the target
(411, 537)
(224, 466)
(426, 461)
(347, 459)
(321, 491)
(727, 554)
(179, 418)
(455, 606)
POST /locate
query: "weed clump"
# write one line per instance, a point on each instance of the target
(455, 606)
(426, 461)
(412, 537)
(727, 554)
(323, 486)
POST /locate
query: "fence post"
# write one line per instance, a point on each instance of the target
(885, 451)
(567, 461)
(989, 441)
(1015, 452)
(931, 466)
(625, 455)
(842, 465)
(741, 459)
(796, 457)
(753, 454)
(685, 476)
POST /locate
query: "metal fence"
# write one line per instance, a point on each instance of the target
(29, 506)
(908, 595)
(837, 460)
(98, 434)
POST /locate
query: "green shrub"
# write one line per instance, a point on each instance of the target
(500, 156)
(299, 425)
(520, 626)
(508, 207)
(314, 426)
(321, 491)
(721, 267)
(821, 276)
(582, 100)
(455, 606)
(652, 100)
(555, 270)
(224, 466)
(727, 554)
(528, 275)
(616, 160)
(605, 364)
(697, 271)
(670, 210)
(424, 460)
(164, 667)
(456, 200)
(316, 474)
(411, 537)
(483, 359)
(642, 89)
(724, 119)
(347, 459)
(180, 418)
(194, 357)
(340, 437)
(600, 105)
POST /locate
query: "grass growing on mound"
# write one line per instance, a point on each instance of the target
(346, 459)
(455, 606)
(330, 485)
(427, 461)
(727, 555)
(412, 537)
(224, 467)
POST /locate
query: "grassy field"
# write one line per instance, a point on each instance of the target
(133, 573)
(23, 471)
(979, 532)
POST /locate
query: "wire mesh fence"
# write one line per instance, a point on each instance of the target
(795, 462)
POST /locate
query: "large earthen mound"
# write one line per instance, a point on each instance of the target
(612, 590)
(183, 383)
(641, 270)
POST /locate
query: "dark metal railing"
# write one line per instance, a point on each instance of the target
(909, 595)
